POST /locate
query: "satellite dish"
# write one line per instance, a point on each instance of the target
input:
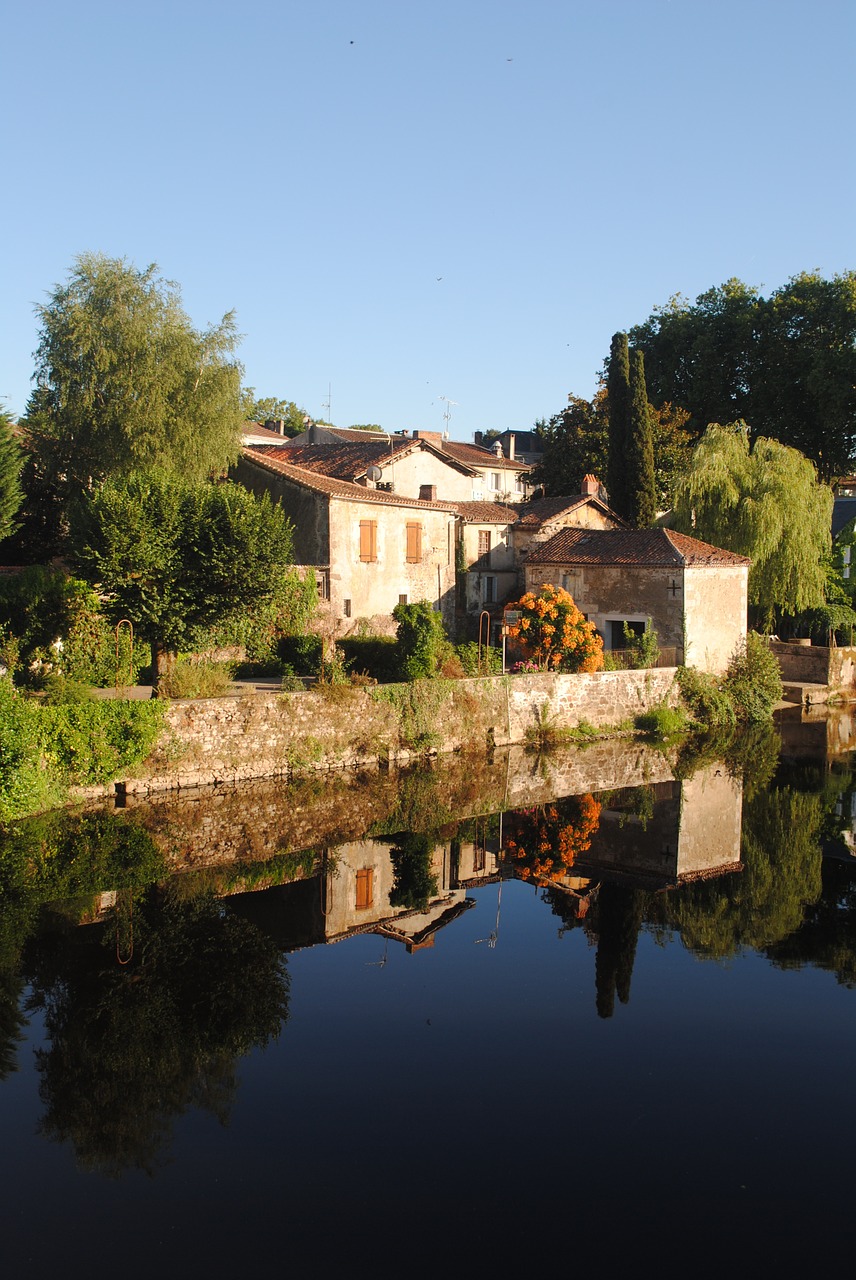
(374, 473)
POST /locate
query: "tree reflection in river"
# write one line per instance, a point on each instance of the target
(132, 1045)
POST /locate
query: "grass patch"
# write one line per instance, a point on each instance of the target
(663, 722)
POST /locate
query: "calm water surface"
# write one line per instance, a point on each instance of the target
(615, 1025)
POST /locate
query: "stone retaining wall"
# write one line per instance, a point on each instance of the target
(260, 735)
(815, 664)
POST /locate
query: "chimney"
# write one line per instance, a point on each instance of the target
(436, 437)
(511, 450)
(427, 493)
(591, 486)
(478, 438)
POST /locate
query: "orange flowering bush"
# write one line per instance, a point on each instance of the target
(545, 843)
(554, 633)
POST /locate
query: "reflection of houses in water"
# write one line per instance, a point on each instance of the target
(660, 836)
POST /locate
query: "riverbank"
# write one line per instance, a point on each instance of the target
(260, 735)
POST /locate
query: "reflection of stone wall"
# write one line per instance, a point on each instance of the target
(711, 819)
(279, 735)
(210, 826)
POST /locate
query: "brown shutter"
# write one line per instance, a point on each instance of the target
(368, 541)
(414, 544)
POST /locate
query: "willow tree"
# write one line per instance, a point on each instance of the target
(764, 502)
(124, 382)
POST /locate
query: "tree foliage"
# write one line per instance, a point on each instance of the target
(125, 382)
(785, 364)
(267, 408)
(179, 559)
(639, 487)
(764, 502)
(553, 632)
(618, 398)
(11, 462)
(575, 444)
(421, 639)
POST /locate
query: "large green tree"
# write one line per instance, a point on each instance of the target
(11, 461)
(575, 444)
(124, 382)
(785, 364)
(266, 408)
(618, 398)
(639, 486)
(181, 559)
(762, 501)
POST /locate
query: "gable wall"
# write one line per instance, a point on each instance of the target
(422, 467)
(307, 511)
(584, 517)
(716, 601)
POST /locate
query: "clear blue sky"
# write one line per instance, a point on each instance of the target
(407, 201)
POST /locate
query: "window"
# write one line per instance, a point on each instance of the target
(616, 625)
(368, 541)
(402, 599)
(484, 543)
(519, 484)
(495, 480)
(347, 607)
(414, 543)
(365, 888)
(489, 589)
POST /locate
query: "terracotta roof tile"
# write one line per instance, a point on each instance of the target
(535, 514)
(655, 548)
(486, 512)
(279, 462)
(474, 455)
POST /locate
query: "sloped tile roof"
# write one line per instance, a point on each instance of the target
(535, 514)
(256, 431)
(654, 548)
(486, 512)
(474, 455)
(279, 462)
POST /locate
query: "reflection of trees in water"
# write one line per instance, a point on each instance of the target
(765, 902)
(617, 920)
(827, 935)
(413, 882)
(544, 843)
(133, 1046)
(12, 1020)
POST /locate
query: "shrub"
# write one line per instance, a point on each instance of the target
(468, 656)
(662, 721)
(753, 680)
(421, 639)
(190, 678)
(376, 655)
(705, 699)
(554, 633)
(302, 653)
(642, 650)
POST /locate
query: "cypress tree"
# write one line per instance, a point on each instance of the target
(618, 396)
(641, 492)
(11, 494)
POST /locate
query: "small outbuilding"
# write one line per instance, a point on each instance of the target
(693, 595)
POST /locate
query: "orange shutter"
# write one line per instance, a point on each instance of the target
(414, 544)
(365, 888)
(368, 541)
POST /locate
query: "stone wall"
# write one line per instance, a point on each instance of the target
(815, 664)
(336, 726)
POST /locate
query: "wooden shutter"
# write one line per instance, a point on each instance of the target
(368, 541)
(365, 888)
(414, 543)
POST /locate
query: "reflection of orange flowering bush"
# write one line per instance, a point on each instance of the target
(554, 633)
(545, 843)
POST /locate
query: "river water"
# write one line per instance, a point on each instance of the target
(586, 1007)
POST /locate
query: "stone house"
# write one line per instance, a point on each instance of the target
(692, 594)
(408, 464)
(370, 549)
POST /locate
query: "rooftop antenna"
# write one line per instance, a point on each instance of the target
(326, 404)
(447, 413)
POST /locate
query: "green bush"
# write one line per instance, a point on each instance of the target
(491, 659)
(190, 678)
(375, 655)
(421, 639)
(642, 650)
(67, 740)
(753, 680)
(662, 721)
(302, 653)
(705, 699)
